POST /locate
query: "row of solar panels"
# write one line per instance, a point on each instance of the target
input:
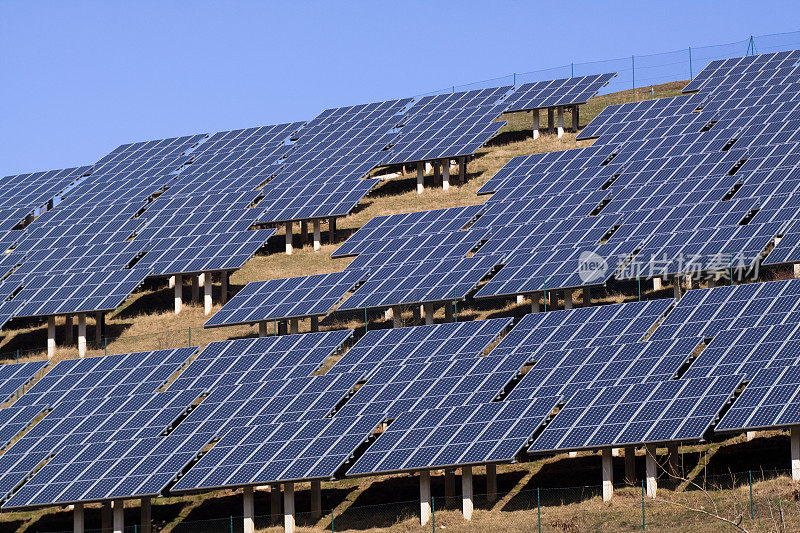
(255, 411)
(703, 183)
(186, 205)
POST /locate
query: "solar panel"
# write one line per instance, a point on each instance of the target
(552, 93)
(769, 400)
(14, 377)
(379, 349)
(287, 298)
(667, 411)
(260, 360)
(294, 451)
(430, 281)
(455, 436)
(407, 225)
(392, 391)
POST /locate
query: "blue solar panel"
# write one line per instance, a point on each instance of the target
(561, 92)
(287, 298)
(667, 411)
(455, 436)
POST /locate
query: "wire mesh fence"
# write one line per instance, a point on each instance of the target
(646, 69)
(748, 501)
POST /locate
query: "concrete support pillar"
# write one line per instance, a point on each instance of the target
(288, 238)
(275, 501)
(171, 282)
(630, 465)
(650, 471)
(77, 518)
(466, 492)
(295, 326)
(424, 497)
(437, 173)
(550, 119)
(750, 435)
(417, 315)
(796, 270)
(303, 233)
(491, 482)
(288, 507)
(560, 122)
(676, 288)
(608, 473)
(283, 328)
(178, 293)
(587, 296)
(567, 299)
(535, 304)
(147, 515)
(314, 324)
(572, 455)
(224, 277)
(248, 511)
(397, 318)
(316, 500)
(672, 458)
(712, 283)
(795, 449)
(575, 119)
(207, 294)
(462, 169)
(195, 289)
(535, 124)
(420, 177)
(428, 314)
(332, 229)
(82, 335)
(445, 174)
(388, 313)
(262, 329)
(119, 516)
(99, 326)
(317, 238)
(520, 299)
(51, 336)
(449, 484)
(448, 311)
(69, 336)
(656, 284)
(105, 517)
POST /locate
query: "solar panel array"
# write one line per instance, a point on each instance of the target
(287, 298)
(697, 184)
(553, 93)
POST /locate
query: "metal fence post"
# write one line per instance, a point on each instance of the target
(366, 323)
(544, 297)
(231, 523)
(190, 337)
(633, 77)
(539, 508)
(433, 515)
(17, 355)
(643, 516)
(105, 345)
(691, 74)
(455, 306)
(332, 530)
(639, 281)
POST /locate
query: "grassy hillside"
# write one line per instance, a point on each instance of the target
(146, 320)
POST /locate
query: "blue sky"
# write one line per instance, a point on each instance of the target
(80, 78)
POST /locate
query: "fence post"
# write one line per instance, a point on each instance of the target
(515, 79)
(105, 345)
(691, 74)
(455, 306)
(544, 297)
(433, 515)
(633, 77)
(539, 508)
(639, 281)
(750, 476)
(572, 70)
(332, 530)
(17, 355)
(190, 337)
(643, 516)
(366, 322)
